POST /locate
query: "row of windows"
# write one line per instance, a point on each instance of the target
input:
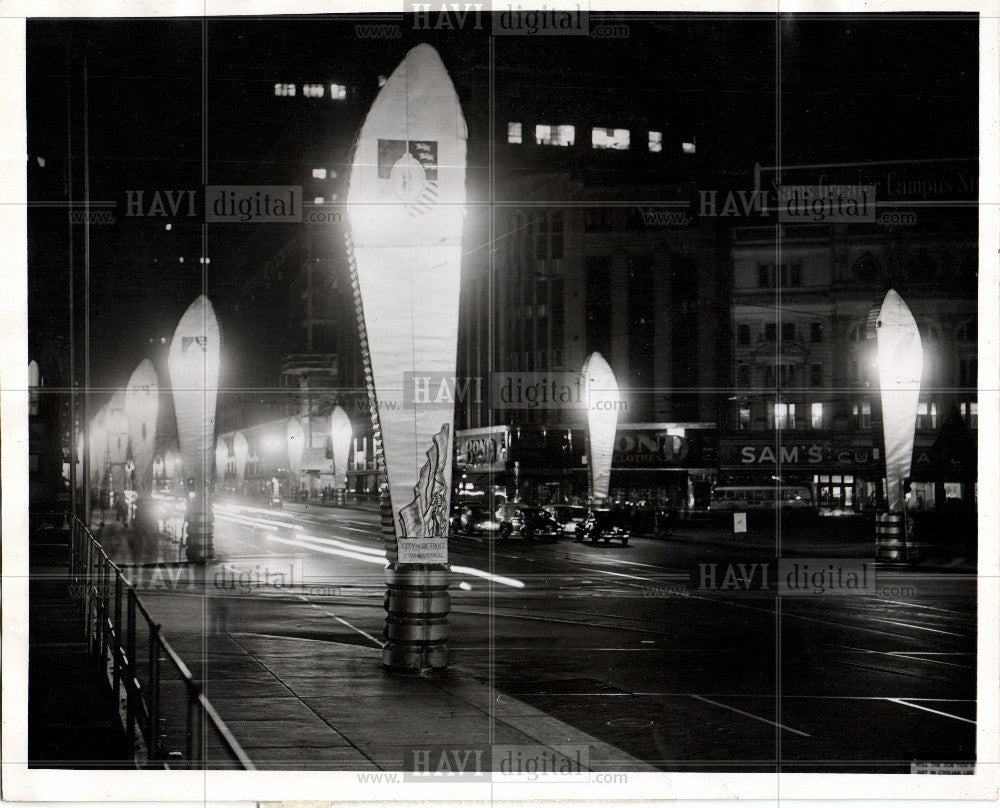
(789, 333)
(600, 137)
(769, 275)
(786, 375)
(792, 415)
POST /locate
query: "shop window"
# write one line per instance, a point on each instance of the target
(927, 415)
(514, 132)
(952, 490)
(816, 415)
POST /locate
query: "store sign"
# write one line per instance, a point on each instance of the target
(481, 451)
(801, 455)
(825, 454)
(657, 448)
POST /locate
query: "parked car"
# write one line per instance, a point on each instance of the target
(569, 517)
(529, 523)
(605, 524)
(473, 519)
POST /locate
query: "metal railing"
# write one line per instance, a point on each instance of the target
(131, 650)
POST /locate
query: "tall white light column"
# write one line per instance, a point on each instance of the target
(341, 435)
(194, 378)
(602, 397)
(406, 205)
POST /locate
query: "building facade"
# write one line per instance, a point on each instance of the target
(805, 402)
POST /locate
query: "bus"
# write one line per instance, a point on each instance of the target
(726, 499)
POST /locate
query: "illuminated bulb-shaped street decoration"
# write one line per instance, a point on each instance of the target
(406, 203)
(341, 435)
(221, 460)
(116, 427)
(194, 379)
(900, 366)
(601, 395)
(142, 404)
(241, 449)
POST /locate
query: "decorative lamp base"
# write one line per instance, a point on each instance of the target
(199, 539)
(417, 604)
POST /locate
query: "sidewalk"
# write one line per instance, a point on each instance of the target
(71, 718)
(306, 704)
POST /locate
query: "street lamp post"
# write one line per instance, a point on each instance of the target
(194, 378)
(900, 361)
(406, 203)
(341, 435)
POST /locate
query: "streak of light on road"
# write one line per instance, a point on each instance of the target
(499, 579)
(319, 548)
(750, 715)
(906, 703)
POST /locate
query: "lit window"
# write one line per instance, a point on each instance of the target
(319, 173)
(548, 135)
(284, 90)
(656, 141)
(609, 138)
(927, 415)
(318, 200)
(784, 416)
(688, 148)
(862, 415)
(313, 90)
(513, 132)
(744, 417)
(816, 415)
(338, 92)
(970, 413)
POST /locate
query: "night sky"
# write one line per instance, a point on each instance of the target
(174, 104)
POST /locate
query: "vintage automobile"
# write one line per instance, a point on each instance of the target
(569, 517)
(528, 522)
(605, 524)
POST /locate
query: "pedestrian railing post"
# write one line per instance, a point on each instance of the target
(130, 690)
(153, 690)
(117, 649)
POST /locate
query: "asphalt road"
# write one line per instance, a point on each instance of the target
(634, 645)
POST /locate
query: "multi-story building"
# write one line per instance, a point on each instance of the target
(595, 248)
(805, 400)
